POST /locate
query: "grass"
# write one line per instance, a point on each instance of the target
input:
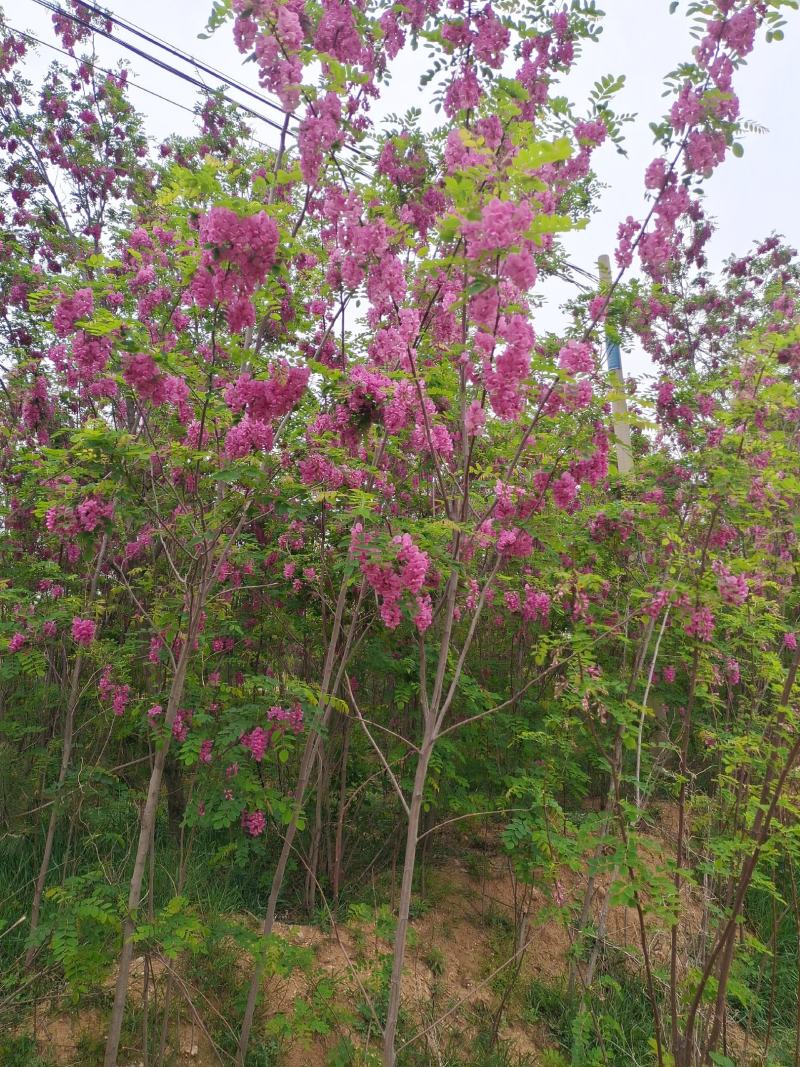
(21, 1052)
(612, 1025)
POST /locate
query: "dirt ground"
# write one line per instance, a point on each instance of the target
(458, 950)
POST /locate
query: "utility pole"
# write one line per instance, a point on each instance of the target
(619, 407)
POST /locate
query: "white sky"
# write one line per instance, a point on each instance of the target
(749, 197)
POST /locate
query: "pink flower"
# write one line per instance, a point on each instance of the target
(71, 310)
(701, 625)
(475, 418)
(293, 717)
(120, 699)
(669, 674)
(733, 588)
(536, 606)
(239, 253)
(790, 641)
(83, 631)
(318, 133)
(521, 269)
(576, 358)
(254, 822)
(206, 748)
(424, 616)
(740, 31)
(142, 374)
(565, 491)
(16, 642)
(153, 712)
(512, 601)
(180, 725)
(257, 741)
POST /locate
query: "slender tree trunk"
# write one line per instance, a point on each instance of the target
(146, 827)
(338, 858)
(277, 884)
(303, 778)
(316, 833)
(66, 755)
(404, 904)
(176, 800)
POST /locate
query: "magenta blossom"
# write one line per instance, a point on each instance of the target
(83, 631)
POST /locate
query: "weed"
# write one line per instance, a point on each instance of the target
(21, 1052)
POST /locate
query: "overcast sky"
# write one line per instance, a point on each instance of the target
(749, 197)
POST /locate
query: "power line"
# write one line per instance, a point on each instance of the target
(179, 53)
(230, 82)
(56, 10)
(185, 57)
(215, 72)
(133, 84)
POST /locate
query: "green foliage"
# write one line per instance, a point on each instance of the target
(21, 1052)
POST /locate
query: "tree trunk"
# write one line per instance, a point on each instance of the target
(176, 801)
(316, 833)
(304, 776)
(338, 857)
(404, 904)
(146, 827)
(66, 754)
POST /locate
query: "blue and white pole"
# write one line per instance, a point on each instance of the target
(619, 403)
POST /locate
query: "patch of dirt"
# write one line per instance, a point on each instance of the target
(456, 964)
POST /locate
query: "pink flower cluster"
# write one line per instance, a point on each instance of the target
(702, 121)
(181, 724)
(254, 822)
(110, 693)
(505, 375)
(292, 717)
(85, 517)
(536, 605)
(237, 256)
(142, 374)
(276, 47)
(92, 513)
(262, 401)
(503, 224)
(576, 358)
(565, 492)
(83, 631)
(405, 575)
(701, 625)
(257, 741)
(71, 310)
(37, 408)
(733, 588)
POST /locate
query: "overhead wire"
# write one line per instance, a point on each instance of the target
(232, 83)
(56, 10)
(186, 57)
(132, 83)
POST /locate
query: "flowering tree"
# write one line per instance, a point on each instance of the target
(288, 472)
